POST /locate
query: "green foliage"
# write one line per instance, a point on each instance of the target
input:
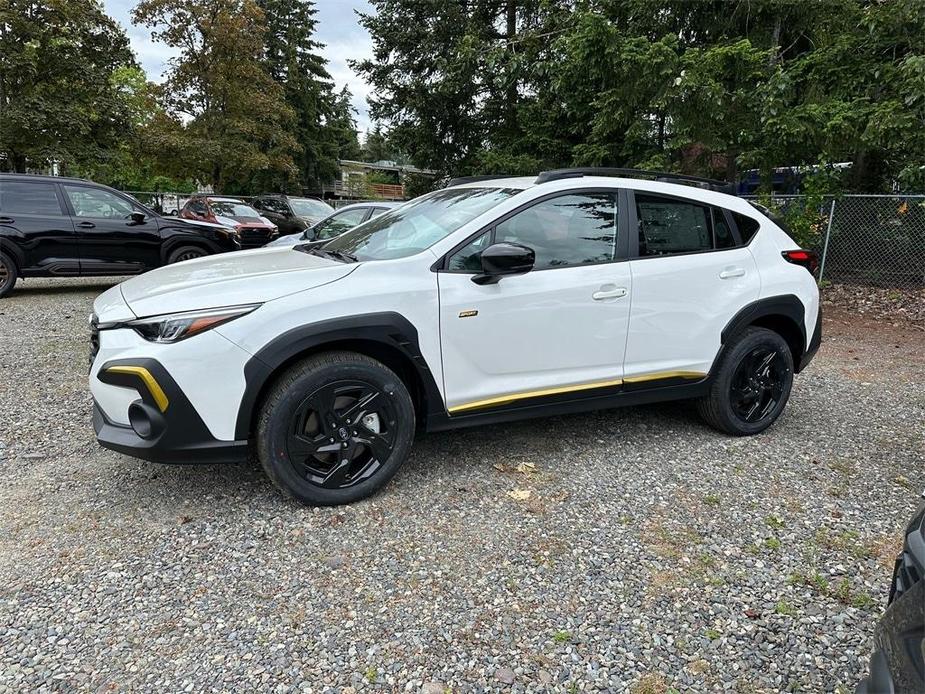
(226, 118)
(511, 86)
(61, 62)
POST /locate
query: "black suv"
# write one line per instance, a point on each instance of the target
(68, 227)
(291, 214)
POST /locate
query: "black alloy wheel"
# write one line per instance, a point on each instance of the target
(758, 384)
(335, 428)
(750, 383)
(342, 433)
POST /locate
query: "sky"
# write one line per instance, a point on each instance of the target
(337, 28)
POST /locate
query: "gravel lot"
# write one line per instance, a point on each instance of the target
(651, 553)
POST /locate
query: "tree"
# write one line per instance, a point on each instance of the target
(711, 87)
(294, 62)
(237, 126)
(59, 93)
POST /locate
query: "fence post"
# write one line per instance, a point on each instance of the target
(825, 245)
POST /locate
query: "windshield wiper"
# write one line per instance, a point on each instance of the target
(342, 256)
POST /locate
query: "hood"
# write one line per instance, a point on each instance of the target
(229, 279)
(243, 221)
(195, 222)
(289, 240)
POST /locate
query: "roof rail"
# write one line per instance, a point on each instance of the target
(475, 179)
(711, 184)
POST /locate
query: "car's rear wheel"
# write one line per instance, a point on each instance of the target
(185, 253)
(8, 274)
(335, 428)
(752, 384)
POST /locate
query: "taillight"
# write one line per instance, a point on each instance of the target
(807, 259)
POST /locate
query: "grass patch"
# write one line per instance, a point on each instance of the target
(774, 522)
(772, 543)
(711, 500)
(712, 634)
(785, 608)
(562, 636)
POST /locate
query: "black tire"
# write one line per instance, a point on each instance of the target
(752, 385)
(186, 253)
(335, 428)
(8, 274)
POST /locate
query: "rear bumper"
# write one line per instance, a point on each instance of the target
(163, 426)
(814, 343)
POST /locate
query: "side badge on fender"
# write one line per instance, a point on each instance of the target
(468, 314)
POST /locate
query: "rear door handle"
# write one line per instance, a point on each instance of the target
(731, 272)
(608, 291)
(87, 225)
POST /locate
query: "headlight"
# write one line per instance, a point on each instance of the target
(174, 327)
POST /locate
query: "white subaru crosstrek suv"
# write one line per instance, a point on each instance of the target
(487, 301)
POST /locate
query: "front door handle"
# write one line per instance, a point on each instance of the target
(87, 225)
(731, 272)
(6, 220)
(609, 291)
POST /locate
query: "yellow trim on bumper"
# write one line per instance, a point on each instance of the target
(160, 398)
(664, 374)
(533, 394)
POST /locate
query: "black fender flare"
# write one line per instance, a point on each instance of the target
(787, 306)
(186, 239)
(387, 329)
(10, 247)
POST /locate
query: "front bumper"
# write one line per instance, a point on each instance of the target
(163, 425)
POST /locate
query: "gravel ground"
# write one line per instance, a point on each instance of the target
(625, 550)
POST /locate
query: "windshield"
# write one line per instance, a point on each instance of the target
(306, 207)
(233, 209)
(418, 224)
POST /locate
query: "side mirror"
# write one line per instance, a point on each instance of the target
(138, 217)
(504, 259)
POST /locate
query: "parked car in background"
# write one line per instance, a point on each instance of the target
(335, 224)
(291, 214)
(485, 302)
(898, 661)
(253, 229)
(67, 227)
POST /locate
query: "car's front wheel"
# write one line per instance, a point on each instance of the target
(752, 384)
(185, 253)
(335, 428)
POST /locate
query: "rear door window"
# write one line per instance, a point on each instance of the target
(672, 226)
(29, 197)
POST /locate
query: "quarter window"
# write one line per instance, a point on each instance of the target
(568, 230)
(22, 197)
(100, 204)
(468, 258)
(747, 226)
(668, 226)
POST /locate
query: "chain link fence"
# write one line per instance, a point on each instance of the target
(873, 240)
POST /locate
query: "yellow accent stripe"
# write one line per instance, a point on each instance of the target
(504, 399)
(160, 398)
(664, 374)
(533, 394)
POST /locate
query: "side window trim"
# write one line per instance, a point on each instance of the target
(634, 224)
(621, 250)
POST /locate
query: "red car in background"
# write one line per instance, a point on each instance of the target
(253, 230)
